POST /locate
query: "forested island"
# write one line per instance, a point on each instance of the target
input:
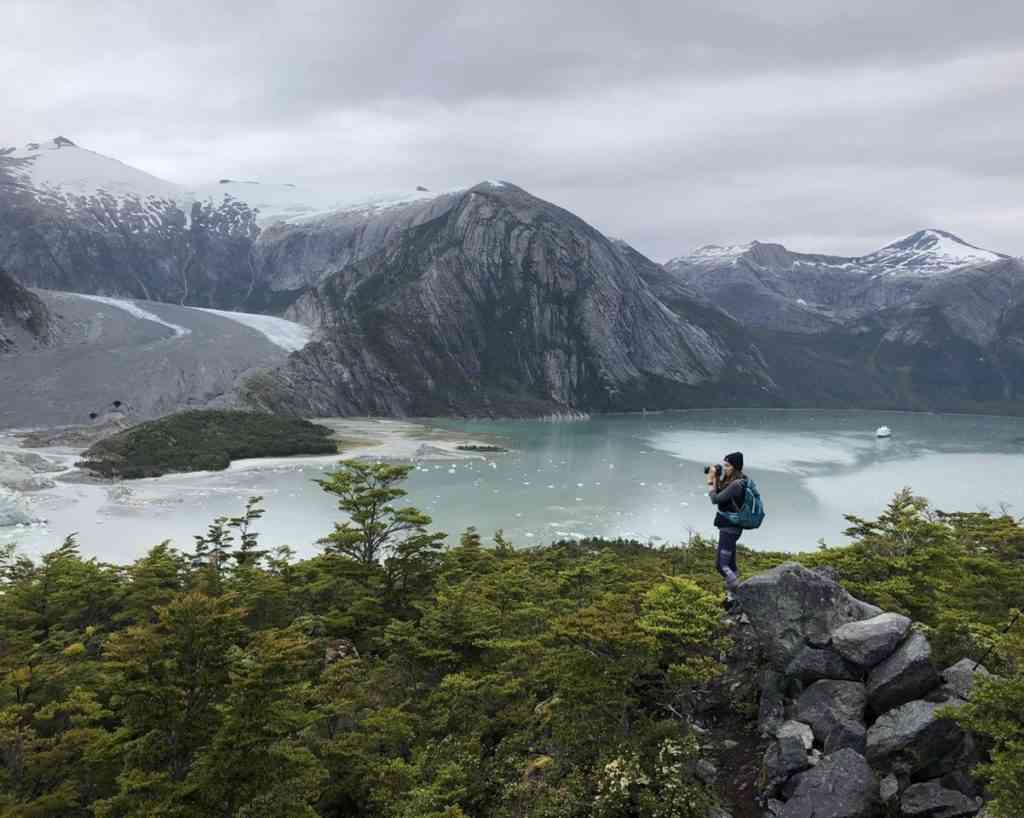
(391, 677)
(205, 439)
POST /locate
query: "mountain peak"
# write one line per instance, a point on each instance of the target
(930, 251)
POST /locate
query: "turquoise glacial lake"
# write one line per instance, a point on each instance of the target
(612, 476)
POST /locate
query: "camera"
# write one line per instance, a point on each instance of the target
(718, 470)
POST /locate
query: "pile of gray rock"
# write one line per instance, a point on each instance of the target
(855, 706)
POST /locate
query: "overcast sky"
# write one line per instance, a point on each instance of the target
(828, 126)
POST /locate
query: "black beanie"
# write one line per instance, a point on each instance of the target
(735, 460)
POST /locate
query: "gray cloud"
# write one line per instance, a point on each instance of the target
(825, 125)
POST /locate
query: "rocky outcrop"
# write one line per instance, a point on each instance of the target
(25, 322)
(793, 608)
(906, 675)
(842, 785)
(835, 712)
(504, 304)
(868, 731)
(868, 642)
(811, 664)
(932, 800)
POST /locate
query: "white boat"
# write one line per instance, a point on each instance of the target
(883, 431)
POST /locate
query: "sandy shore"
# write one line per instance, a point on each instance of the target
(399, 441)
(404, 441)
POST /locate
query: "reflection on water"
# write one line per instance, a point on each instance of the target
(627, 476)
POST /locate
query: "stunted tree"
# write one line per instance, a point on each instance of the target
(377, 532)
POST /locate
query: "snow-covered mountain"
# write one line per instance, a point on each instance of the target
(926, 252)
(61, 167)
(488, 299)
(58, 169)
(768, 285)
(77, 220)
(929, 321)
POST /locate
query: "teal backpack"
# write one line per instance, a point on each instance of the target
(751, 514)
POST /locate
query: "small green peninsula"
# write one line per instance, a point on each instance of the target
(203, 440)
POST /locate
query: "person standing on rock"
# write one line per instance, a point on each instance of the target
(726, 487)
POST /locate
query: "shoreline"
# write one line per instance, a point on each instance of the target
(383, 439)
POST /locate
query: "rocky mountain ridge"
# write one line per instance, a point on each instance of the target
(506, 304)
(928, 322)
(767, 285)
(25, 322)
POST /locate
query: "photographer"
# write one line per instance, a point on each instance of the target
(727, 484)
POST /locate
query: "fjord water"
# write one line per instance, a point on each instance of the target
(613, 476)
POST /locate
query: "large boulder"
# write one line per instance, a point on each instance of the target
(812, 664)
(913, 740)
(834, 707)
(846, 733)
(931, 800)
(843, 785)
(959, 679)
(792, 606)
(868, 642)
(784, 757)
(771, 709)
(797, 728)
(906, 675)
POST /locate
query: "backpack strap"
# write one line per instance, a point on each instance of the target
(739, 503)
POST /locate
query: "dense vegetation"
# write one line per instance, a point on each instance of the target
(390, 677)
(203, 440)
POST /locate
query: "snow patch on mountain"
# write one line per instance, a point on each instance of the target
(714, 254)
(925, 253)
(58, 169)
(59, 164)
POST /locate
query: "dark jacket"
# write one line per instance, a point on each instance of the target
(729, 498)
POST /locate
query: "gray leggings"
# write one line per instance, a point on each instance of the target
(726, 561)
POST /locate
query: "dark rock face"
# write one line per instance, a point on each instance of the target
(846, 733)
(771, 711)
(841, 786)
(889, 789)
(912, 740)
(792, 607)
(931, 800)
(812, 664)
(505, 304)
(786, 756)
(296, 256)
(835, 711)
(906, 675)
(135, 246)
(868, 642)
(25, 322)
